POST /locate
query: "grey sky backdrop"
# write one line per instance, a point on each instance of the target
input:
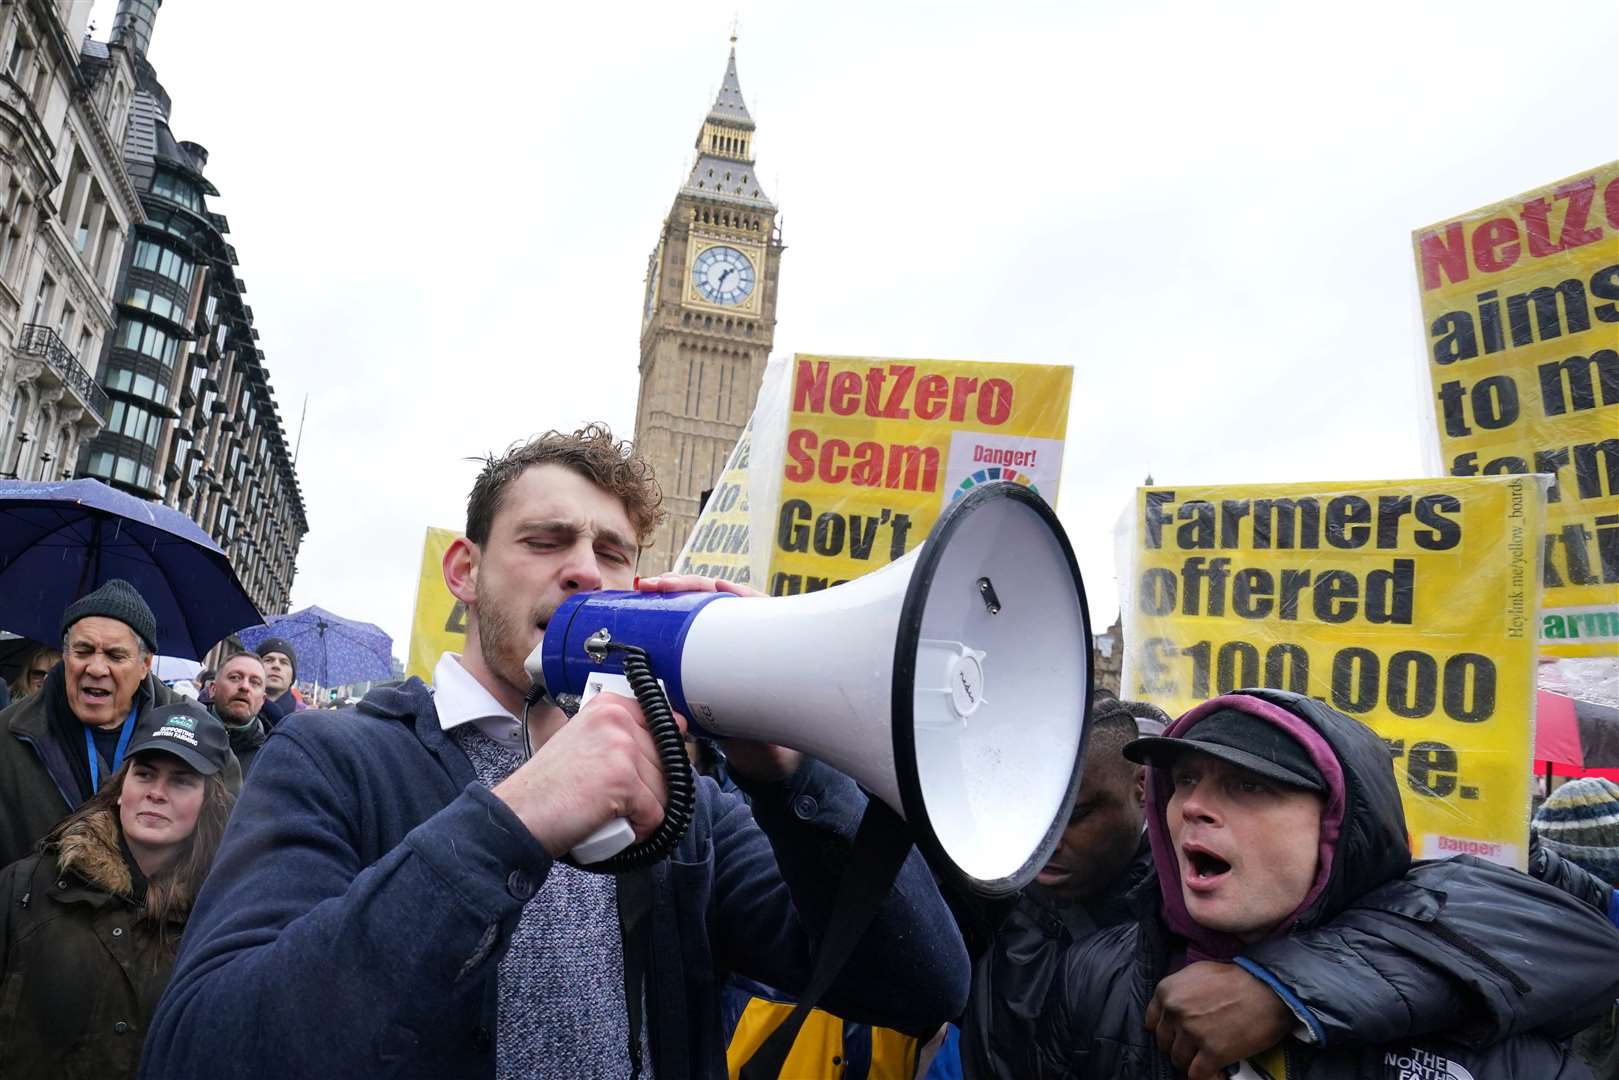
(444, 215)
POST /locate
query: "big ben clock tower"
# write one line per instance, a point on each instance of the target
(708, 319)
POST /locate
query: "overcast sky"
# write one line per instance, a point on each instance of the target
(444, 214)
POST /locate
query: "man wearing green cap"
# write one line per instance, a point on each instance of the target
(59, 745)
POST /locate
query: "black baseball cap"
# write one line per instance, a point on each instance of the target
(186, 730)
(1239, 739)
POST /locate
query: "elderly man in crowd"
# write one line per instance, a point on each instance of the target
(238, 698)
(280, 672)
(59, 745)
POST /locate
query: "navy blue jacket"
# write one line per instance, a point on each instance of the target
(368, 886)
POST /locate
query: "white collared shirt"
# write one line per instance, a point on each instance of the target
(461, 699)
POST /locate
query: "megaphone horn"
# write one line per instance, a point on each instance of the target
(952, 684)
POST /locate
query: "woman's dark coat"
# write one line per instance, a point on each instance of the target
(81, 968)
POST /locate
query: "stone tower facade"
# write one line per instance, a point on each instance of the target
(708, 320)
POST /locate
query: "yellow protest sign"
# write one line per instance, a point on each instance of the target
(1409, 605)
(874, 450)
(1521, 304)
(719, 546)
(440, 623)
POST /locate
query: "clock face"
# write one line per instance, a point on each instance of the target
(722, 275)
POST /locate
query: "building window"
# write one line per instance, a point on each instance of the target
(129, 419)
(166, 261)
(115, 119)
(157, 304)
(177, 189)
(12, 226)
(111, 466)
(22, 50)
(9, 426)
(144, 386)
(94, 204)
(108, 250)
(42, 84)
(144, 338)
(42, 299)
(172, 223)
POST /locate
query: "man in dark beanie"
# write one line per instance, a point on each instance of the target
(58, 746)
(280, 672)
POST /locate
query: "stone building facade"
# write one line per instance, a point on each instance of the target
(192, 420)
(68, 209)
(709, 318)
(1107, 658)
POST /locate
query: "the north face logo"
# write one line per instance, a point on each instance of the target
(1417, 1064)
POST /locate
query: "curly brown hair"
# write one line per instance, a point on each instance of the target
(593, 453)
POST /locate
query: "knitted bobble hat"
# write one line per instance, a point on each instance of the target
(1581, 823)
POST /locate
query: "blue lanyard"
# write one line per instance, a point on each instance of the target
(118, 755)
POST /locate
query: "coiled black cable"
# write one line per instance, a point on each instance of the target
(681, 802)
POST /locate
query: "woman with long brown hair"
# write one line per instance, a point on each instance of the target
(90, 923)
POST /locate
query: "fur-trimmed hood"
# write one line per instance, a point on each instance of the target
(91, 850)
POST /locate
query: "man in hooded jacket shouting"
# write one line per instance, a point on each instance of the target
(1270, 813)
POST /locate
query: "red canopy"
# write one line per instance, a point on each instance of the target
(1557, 739)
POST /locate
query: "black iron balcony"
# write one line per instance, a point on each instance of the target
(41, 341)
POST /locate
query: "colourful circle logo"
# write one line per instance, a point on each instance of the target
(991, 474)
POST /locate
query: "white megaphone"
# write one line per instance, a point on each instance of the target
(952, 684)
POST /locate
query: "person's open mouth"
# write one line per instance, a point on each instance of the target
(1053, 875)
(1202, 869)
(95, 693)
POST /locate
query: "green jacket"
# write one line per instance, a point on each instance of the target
(81, 970)
(245, 739)
(38, 789)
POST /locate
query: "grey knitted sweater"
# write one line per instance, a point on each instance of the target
(561, 988)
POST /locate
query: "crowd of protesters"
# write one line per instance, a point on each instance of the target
(235, 886)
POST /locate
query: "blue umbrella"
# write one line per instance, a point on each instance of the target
(61, 541)
(332, 650)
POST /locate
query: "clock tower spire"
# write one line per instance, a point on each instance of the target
(709, 317)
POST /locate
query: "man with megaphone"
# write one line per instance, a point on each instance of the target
(394, 894)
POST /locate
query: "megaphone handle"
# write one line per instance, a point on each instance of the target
(604, 843)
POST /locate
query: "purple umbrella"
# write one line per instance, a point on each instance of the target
(332, 650)
(60, 541)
